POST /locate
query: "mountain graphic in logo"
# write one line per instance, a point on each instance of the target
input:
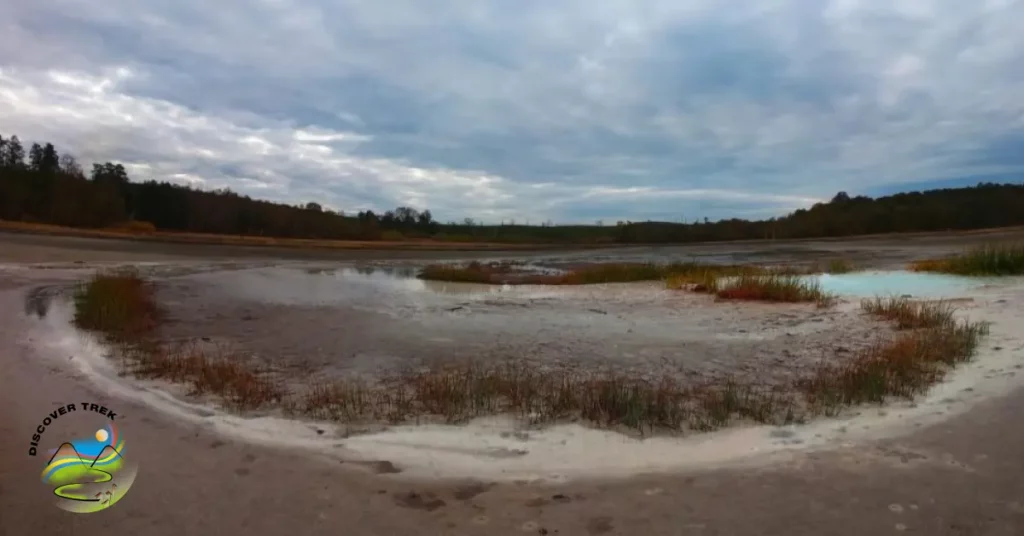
(90, 474)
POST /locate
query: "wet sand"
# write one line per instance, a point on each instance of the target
(959, 475)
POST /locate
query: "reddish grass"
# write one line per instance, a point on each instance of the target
(772, 287)
(218, 372)
(391, 242)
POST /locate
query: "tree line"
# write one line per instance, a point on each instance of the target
(41, 185)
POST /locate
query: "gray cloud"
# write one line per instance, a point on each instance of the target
(572, 111)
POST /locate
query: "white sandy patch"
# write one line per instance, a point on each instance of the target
(492, 448)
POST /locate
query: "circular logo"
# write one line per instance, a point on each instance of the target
(90, 472)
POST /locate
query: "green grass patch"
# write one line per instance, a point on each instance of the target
(985, 260)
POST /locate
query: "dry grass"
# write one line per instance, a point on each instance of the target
(119, 303)
(772, 288)
(135, 227)
(997, 259)
(121, 306)
(219, 373)
(392, 241)
(903, 365)
(456, 393)
(898, 366)
(910, 314)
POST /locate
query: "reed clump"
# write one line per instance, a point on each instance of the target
(997, 259)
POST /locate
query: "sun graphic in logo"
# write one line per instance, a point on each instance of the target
(90, 474)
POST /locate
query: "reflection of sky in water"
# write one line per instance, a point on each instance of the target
(370, 287)
(396, 287)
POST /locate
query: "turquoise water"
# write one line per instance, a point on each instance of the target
(867, 284)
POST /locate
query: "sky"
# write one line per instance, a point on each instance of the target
(567, 111)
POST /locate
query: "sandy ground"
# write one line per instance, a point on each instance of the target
(949, 465)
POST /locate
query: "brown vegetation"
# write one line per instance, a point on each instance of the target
(120, 304)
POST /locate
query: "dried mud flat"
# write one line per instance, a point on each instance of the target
(949, 464)
(345, 323)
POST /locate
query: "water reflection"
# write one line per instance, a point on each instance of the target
(400, 279)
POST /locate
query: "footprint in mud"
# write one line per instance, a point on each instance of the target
(466, 493)
(381, 467)
(599, 525)
(521, 436)
(426, 501)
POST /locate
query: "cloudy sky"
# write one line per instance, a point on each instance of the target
(569, 110)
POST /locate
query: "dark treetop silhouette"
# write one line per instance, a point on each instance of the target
(53, 188)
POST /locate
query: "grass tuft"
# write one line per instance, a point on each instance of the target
(119, 303)
(902, 367)
(985, 260)
(909, 314)
(773, 287)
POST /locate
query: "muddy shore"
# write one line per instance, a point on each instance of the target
(957, 471)
(869, 252)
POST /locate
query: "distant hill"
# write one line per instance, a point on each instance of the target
(50, 188)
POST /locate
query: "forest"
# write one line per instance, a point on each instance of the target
(42, 186)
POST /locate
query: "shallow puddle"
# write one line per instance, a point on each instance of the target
(875, 283)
